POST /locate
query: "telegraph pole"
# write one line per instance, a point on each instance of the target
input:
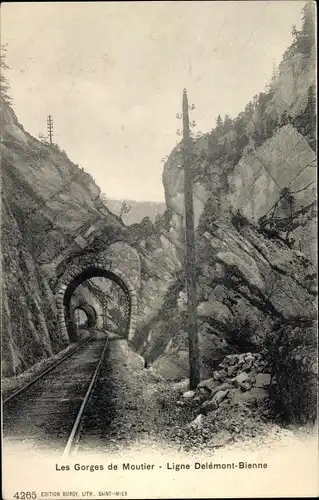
(50, 128)
(190, 266)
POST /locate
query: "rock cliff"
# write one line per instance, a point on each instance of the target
(255, 216)
(28, 306)
(52, 214)
(48, 204)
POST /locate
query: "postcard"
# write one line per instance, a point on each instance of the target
(159, 250)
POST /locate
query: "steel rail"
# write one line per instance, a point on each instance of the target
(76, 426)
(45, 372)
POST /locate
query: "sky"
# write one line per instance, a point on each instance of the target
(112, 74)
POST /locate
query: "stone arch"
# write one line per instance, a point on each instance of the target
(81, 271)
(90, 314)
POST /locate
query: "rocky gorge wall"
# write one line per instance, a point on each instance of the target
(29, 316)
(52, 216)
(255, 216)
(49, 207)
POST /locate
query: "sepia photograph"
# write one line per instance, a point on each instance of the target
(159, 249)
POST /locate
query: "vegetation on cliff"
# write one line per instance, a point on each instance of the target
(261, 117)
(254, 203)
(4, 82)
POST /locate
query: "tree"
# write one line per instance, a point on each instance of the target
(307, 34)
(241, 136)
(295, 34)
(212, 145)
(310, 117)
(274, 75)
(219, 123)
(125, 208)
(43, 138)
(287, 202)
(285, 118)
(104, 198)
(158, 222)
(228, 123)
(305, 122)
(311, 110)
(4, 84)
(249, 109)
(270, 126)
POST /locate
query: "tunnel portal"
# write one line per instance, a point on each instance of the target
(77, 280)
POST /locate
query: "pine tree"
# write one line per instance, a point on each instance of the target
(219, 123)
(4, 84)
(274, 76)
(307, 36)
(295, 34)
(158, 222)
(310, 117)
(305, 122)
(212, 145)
(228, 123)
(249, 109)
(241, 136)
(125, 208)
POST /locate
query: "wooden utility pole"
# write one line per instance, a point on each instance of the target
(50, 128)
(190, 266)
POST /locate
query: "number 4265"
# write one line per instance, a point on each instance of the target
(25, 495)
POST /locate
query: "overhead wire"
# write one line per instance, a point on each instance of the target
(252, 32)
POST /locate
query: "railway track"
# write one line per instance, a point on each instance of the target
(48, 411)
(48, 370)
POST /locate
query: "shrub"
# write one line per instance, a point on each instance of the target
(239, 220)
(291, 351)
(241, 332)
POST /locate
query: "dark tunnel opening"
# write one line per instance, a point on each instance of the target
(91, 272)
(90, 314)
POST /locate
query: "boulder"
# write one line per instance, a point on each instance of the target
(247, 397)
(245, 386)
(231, 370)
(241, 359)
(230, 359)
(263, 379)
(249, 356)
(222, 387)
(234, 395)
(259, 393)
(188, 394)
(219, 375)
(197, 423)
(240, 378)
(219, 396)
(220, 439)
(252, 396)
(182, 385)
(209, 384)
(208, 406)
(204, 393)
(197, 400)
(248, 363)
